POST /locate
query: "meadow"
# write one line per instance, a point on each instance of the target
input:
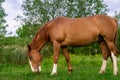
(84, 68)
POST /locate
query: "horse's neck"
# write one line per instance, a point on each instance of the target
(38, 42)
(40, 38)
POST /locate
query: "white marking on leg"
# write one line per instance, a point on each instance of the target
(54, 70)
(103, 67)
(115, 70)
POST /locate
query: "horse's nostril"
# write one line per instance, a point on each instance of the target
(37, 70)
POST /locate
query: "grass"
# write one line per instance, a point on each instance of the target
(84, 68)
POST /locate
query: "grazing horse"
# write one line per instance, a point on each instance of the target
(63, 32)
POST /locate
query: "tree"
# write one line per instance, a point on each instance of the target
(2, 20)
(117, 15)
(27, 29)
(41, 11)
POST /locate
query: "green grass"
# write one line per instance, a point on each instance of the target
(84, 68)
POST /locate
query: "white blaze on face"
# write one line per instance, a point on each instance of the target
(34, 70)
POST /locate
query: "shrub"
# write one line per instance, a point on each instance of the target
(13, 54)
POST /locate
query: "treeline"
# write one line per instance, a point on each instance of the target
(47, 50)
(38, 12)
(7, 41)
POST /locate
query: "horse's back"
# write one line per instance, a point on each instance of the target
(81, 31)
(107, 26)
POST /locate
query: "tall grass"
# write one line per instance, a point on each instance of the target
(13, 54)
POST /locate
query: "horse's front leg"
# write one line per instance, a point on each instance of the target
(56, 46)
(65, 50)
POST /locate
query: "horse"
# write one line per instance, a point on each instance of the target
(64, 31)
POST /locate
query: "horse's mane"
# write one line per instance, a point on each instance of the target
(42, 35)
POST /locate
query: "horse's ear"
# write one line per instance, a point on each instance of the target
(29, 48)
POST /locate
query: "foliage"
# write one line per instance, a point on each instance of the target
(13, 54)
(41, 11)
(117, 16)
(2, 20)
(9, 41)
(118, 34)
(27, 30)
(118, 41)
(13, 50)
(37, 12)
(91, 49)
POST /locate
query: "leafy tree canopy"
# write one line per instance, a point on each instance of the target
(2, 20)
(41, 11)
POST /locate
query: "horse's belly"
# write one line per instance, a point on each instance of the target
(79, 41)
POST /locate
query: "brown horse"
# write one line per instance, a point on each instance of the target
(63, 32)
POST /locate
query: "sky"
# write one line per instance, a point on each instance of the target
(13, 9)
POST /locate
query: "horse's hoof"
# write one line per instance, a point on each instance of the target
(115, 73)
(53, 74)
(101, 72)
(69, 72)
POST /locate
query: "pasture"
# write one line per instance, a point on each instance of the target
(84, 68)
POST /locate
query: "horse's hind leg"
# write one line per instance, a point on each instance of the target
(105, 54)
(65, 50)
(112, 48)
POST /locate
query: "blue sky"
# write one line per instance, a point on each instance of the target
(13, 9)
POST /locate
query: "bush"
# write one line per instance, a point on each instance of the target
(13, 54)
(92, 49)
(14, 41)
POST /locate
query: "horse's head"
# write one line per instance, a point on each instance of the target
(35, 59)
